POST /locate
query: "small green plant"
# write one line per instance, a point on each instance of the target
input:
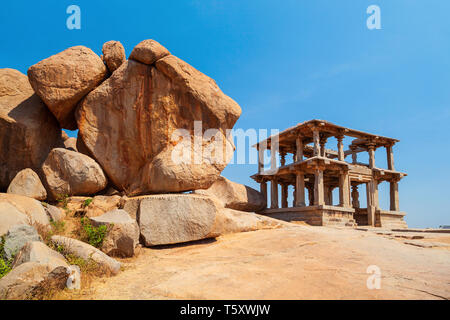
(5, 265)
(58, 227)
(93, 235)
(63, 199)
(87, 202)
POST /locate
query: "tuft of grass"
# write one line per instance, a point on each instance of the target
(93, 235)
(63, 200)
(87, 202)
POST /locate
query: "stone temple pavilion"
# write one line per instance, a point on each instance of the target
(318, 171)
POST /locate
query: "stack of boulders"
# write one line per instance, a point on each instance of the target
(126, 113)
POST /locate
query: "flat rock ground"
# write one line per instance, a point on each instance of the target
(298, 262)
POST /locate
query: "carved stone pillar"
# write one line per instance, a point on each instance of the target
(299, 151)
(344, 190)
(323, 142)
(274, 194)
(354, 154)
(355, 197)
(284, 195)
(341, 155)
(300, 190)
(316, 140)
(263, 186)
(371, 148)
(390, 157)
(394, 196)
(318, 188)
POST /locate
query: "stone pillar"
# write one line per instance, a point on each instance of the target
(310, 195)
(274, 194)
(260, 159)
(273, 156)
(316, 140)
(390, 157)
(263, 186)
(354, 154)
(328, 195)
(371, 148)
(341, 155)
(299, 151)
(318, 188)
(372, 201)
(294, 196)
(394, 196)
(344, 190)
(300, 190)
(284, 195)
(323, 142)
(355, 197)
(282, 157)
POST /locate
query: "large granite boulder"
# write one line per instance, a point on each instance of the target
(71, 144)
(32, 280)
(16, 237)
(71, 173)
(10, 216)
(37, 251)
(123, 233)
(176, 218)
(235, 196)
(28, 130)
(102, 204)
(234, 221)
(138, 120)
(86, 252)
(113, 55)
(63, 79)
(27, 183)
(148, 52)
(32, 208)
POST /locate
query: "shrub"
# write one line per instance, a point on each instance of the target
(93, 235)
(63, 199)
(5, 265)
(87, 202)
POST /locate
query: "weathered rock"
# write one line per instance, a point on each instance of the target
(123, 233)
(148, 52)
(63, 79)
(113, 55)
(32, 280)
(169, 219)
(102, 204)
(23, 120)
(36, 251)
(64, 135)
(71, 144)
(130, 126)
(10, 216)
(86, 252)
(72, 173)
(17, 236)
(27, 183)
(30, 207)
(54, 213)
(235, 196)
(233, 221)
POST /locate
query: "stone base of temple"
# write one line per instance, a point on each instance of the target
(314, 215)
(383, 218)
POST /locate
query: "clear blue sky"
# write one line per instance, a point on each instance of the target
(286, 62)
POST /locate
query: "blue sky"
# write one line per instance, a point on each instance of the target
(286, 62)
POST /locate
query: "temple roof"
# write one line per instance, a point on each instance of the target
(287, 137)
